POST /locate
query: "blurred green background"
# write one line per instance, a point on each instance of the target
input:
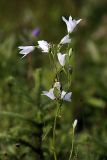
(25, 116)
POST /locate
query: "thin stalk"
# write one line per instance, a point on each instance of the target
(54, 132)
(55, 66)
(50, 62)
(69, 81)
(64, 71)
(72, 147)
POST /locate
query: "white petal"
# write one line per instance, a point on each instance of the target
(78, 21)
(69, 27)
(49, 94)
(63, 93)
(70, 18)
(66, 96)
(26, 50)
(67, 24)
(44, 46)
(57, 85)
(65, 40)
(63, 18)
(61, 58)
(73, 23)
(26, 47)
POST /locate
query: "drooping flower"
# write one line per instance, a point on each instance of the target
(49, 93)
(65, 40)
(61, 58)
(66, 96)
(44, 46)
(36, 31)
(71, 24)
(24, 50)
(57, 85)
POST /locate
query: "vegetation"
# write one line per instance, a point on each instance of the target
(27, 116)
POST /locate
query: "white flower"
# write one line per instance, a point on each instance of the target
(26, 50)
(75, 124)
(44, 46)
(57, 85)
(65, 40)
(71, 24)
(66, 96)
(49, 94)
(61, 58)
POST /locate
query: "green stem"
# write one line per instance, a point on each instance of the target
(72, 147)
(54, 132)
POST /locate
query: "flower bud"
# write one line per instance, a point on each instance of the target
(70, 69)
(75, 123)
(36, 32)
(70, 52)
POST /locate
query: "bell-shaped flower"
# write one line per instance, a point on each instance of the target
(44, 46)
(24, 50)
(65, 40)
(57, 85)
(71, 24)
(49, 93)
(61, 58)
(66, 96)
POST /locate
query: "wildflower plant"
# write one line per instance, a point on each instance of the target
(59, 56)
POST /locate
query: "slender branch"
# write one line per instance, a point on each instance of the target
(72, 147)
(54, 131)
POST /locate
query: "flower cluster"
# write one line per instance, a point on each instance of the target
(61, 57)
(62, 94)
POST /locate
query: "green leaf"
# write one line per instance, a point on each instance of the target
(96, 102)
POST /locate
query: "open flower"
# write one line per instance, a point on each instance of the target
(44, 46)
(61, 58)
(49, 93)
(66, 96)
(24, 50)
(71, 24)
(65, 40)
